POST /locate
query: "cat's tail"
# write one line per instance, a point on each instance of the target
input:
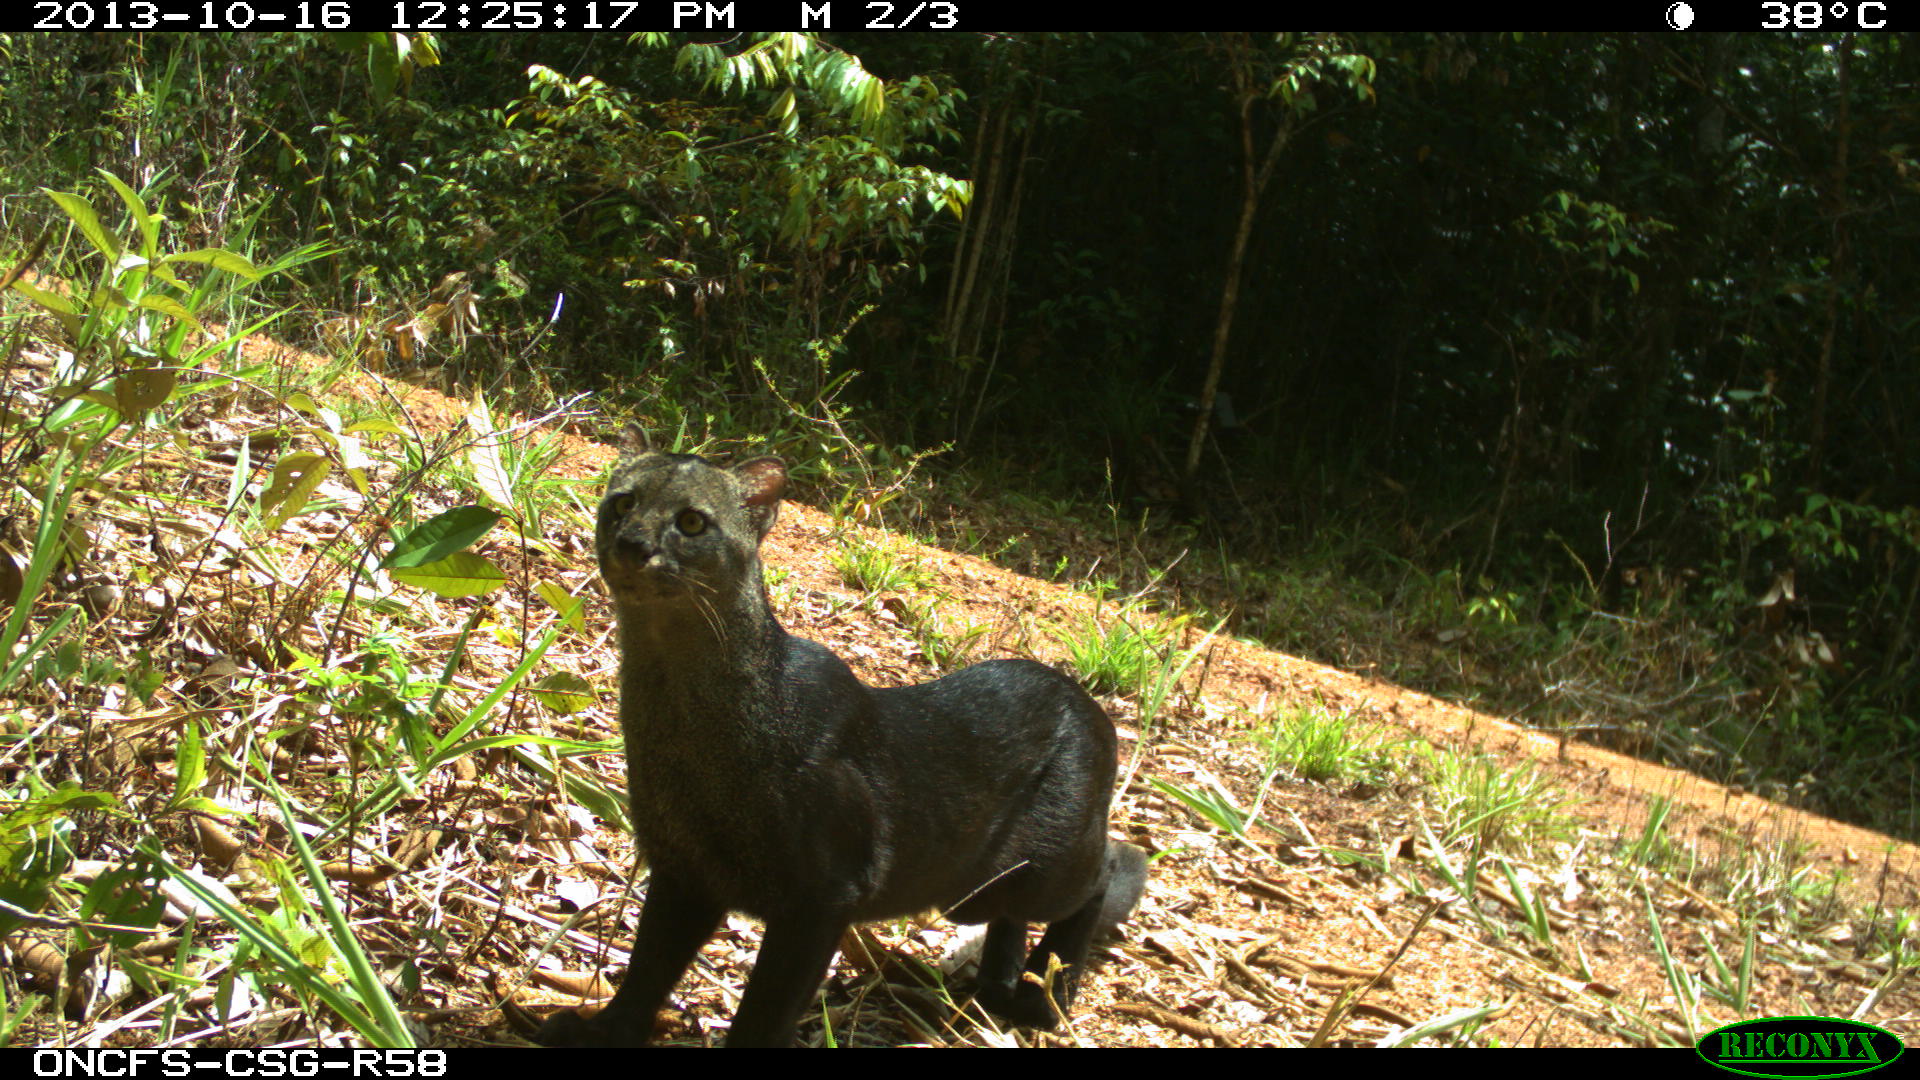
(1126, 880)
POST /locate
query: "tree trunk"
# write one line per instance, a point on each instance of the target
(1253, 182)
(1836, 274)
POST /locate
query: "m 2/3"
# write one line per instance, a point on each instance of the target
(927, 15)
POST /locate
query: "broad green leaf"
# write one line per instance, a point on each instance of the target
(33, 849)
(383, 65)
(161, 272)
(421, 50)
(568, 605)
(52, 301)
(140, 389)
(219, 259)
(81, 211)
(57, 803)
(455, 530)
(489, 470)
(295, 476)
(381, 427)
(461, 574)
(70, 390)
(27, 874)
(565, 693)
(56, 305)
(148, 224)
(783, 111)
(189, 765)
(167, 305)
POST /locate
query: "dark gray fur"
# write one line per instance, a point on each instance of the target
(766, 778)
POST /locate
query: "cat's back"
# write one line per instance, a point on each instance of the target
(1011, 698)
(994, 729)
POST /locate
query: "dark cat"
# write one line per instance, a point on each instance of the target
(765, 778)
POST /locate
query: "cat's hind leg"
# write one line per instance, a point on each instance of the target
(1007, 994)
(1001, 956)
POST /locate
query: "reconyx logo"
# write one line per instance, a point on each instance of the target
(1800, 1047)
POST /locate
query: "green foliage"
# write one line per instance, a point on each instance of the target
(1684, 983)
(299, 955)
(393, 58)
(1533, 906)
(1322, 745)
(791, 60)
(445, 534)
(141, 352)
(151, 354)
(132, 347)
(35, 841)
(1733, 986)
(1214, 804)
(12, 1013)
(1163, 678)
(434, 556)
(1119, 654)
(876, 565)
(946, 647)
(1653, 847)
(1494, 804)
(131, 330)
(1781, 549)
(1593, 236)
(609, 219)
(50, 544)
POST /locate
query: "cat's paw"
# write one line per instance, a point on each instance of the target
(1023, 1006)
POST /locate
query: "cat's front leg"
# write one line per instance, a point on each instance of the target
(793, 959)
(674, 923)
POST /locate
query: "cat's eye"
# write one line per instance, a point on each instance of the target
(691, 522)
(620, 505)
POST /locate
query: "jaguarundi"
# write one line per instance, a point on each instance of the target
(765, 778)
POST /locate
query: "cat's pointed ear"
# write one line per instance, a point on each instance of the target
(761, 482)
(633, 439)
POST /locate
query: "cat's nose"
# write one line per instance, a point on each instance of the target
(632, 548)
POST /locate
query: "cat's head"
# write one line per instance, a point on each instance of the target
(676, 527)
